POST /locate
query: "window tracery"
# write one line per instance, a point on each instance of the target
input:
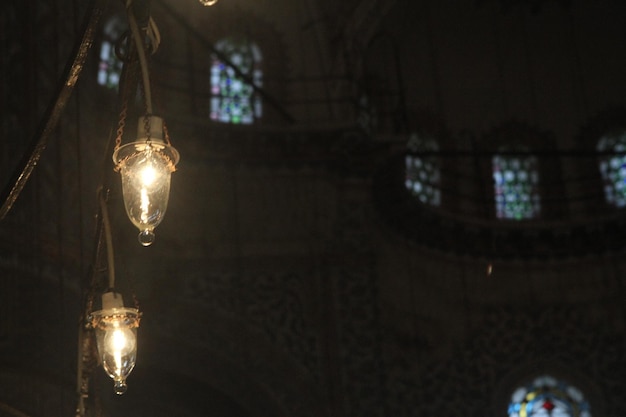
(423, 174)
(613, 168)
(547, 396)
(233, 99)
(516, 191)
(110, 65)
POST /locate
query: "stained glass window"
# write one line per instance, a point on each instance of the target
(548, 397)
(110, 66)
(516, 187)
(613, 168)
(422, 172)
(234, 100)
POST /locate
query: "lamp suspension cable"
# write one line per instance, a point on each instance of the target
(108, 238)
(114, 324)
(153, 35)
(146, 164)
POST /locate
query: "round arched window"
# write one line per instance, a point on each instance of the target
(516, 189)
(613, 168)
(110, 65)
(547, 396)
(422, 174)
(233, 99)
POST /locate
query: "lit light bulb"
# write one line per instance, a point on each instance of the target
(208, 2)
(146, 190)
(146, 167)
(118, 343)
(148, 175)
(119, 355)
(116, 337)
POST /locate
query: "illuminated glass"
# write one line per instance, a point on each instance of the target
(548, 397)
(516, 187)
(613, 168)
(110, 66)
(422, 175)
(233, 100)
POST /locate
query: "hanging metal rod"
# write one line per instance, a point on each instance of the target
(66, 86)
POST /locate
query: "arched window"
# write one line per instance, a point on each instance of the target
(613, 168)
(110, 66)
(233, 100)
(546, 396)
(422, 172)
(516, 192)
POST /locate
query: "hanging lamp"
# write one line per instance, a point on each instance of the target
(146, 166)
(116, 338)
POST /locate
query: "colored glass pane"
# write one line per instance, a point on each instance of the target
(548, 397)
(110, 66)
(233, 100)
(422, 172)
(613, 168)
(516, 187)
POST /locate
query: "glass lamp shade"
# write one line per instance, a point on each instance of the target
(116, 339)
(146, 167)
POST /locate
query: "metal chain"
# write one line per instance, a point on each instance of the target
(166, 134)
(121, 124)
(136, 302)
(128, 88)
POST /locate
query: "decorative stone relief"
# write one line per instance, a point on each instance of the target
(359, 338)
(511, 342)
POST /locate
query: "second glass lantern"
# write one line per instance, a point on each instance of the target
(146, 167)
(116, 337)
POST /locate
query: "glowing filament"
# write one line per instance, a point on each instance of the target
(145, 205)
(148, 175)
